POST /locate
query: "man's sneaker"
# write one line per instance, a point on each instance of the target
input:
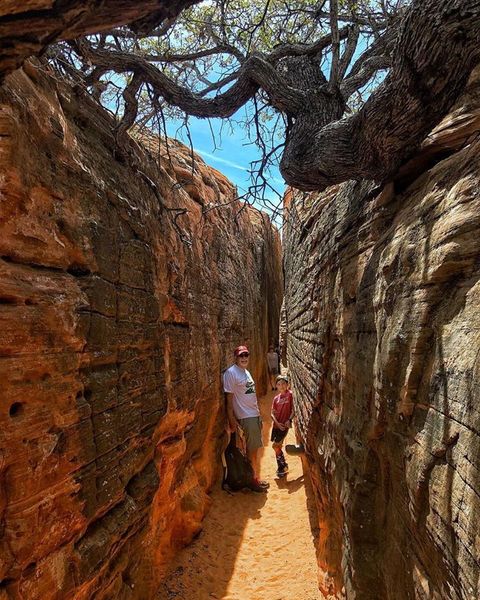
(256, 486)
(294, 449)
(263, 484)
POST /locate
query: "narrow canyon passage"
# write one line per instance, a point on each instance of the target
(252, 546)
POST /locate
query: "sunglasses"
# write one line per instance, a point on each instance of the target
(244, 355)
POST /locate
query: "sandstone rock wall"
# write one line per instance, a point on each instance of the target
(118, 312)
(382, 300)
(29, 26)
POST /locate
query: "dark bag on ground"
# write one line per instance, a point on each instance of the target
(237, 469)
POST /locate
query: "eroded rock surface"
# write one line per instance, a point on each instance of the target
(118, 312)
(29, 26)
(382, 295)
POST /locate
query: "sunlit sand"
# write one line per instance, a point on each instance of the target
(253, 546)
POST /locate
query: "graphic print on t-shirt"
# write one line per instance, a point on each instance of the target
(282, 406)
(239, 382)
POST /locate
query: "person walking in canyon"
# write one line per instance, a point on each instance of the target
(273, 365)
(242, 410)
(282, 415)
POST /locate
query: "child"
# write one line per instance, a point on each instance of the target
(282, 415)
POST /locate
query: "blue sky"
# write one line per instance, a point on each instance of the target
(231, 153)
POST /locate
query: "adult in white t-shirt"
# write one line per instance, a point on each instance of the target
(242, 408)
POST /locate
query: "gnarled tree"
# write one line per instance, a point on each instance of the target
(306, 60)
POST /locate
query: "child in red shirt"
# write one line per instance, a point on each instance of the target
(282, 415)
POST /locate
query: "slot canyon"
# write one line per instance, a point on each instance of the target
(129, 273)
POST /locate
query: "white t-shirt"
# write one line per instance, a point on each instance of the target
(239, 382)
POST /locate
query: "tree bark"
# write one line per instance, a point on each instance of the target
(436, 50)
(438, 46)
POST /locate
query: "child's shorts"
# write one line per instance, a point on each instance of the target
(278, 435)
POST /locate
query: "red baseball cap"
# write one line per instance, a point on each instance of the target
(239, 350)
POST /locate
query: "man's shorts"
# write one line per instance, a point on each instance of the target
(278, 435)
(252, 428)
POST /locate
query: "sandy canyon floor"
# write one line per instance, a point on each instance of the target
(253, 546)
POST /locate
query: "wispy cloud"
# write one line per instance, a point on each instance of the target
(221, 160)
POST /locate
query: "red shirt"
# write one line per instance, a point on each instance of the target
(282, 407)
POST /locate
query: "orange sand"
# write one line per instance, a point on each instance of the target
(248, 549)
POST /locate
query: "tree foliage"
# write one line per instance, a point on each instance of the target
(338, 89)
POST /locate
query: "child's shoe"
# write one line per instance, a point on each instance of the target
(282, 471)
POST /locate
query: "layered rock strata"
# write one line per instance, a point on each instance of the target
(29, 26)
(125, 282)
(383, 330)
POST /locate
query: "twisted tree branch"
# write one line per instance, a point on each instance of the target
(437, 49)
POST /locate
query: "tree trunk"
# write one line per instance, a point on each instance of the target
(438, 47)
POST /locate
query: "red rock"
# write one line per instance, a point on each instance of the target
(116, 322)
(28, 27)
